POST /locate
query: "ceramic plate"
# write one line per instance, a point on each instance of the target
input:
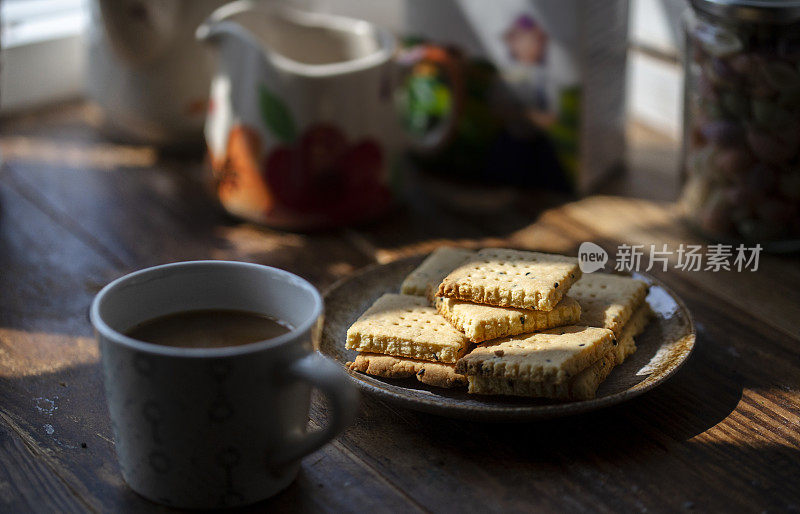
(664, 345)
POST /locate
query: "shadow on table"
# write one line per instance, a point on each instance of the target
(696, 399)
(654, 441)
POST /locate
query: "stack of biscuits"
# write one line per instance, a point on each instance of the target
(502, 322)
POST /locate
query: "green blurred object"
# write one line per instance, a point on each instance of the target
(564, 132)
(490, 144)
(428, 100)
(276, 115)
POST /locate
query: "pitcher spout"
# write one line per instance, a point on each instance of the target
(217, 28)
(298, 42)
(221, 26)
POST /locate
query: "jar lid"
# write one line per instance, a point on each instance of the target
(764, 11)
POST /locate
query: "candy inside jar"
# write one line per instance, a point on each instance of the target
(741, 153)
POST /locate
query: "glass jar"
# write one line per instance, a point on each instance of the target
(741, 158)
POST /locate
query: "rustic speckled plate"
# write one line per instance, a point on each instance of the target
(662, 348)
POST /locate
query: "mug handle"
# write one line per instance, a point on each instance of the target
(327, 376)
(445, 60)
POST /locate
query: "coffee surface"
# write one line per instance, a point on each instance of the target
(209, 329)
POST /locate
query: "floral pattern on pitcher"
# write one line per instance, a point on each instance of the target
(315, 173)
(304, 132)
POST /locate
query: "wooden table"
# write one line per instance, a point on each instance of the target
(76, 212)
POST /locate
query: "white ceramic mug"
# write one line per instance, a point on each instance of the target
(215, 427)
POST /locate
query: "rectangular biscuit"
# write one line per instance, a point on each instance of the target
(607, 301)
(585, 385)
(406, 326)
(512, 278)
(435, 374)
(484, 322)
(625, 348)
(553, 356)
(635, 326)
(425, 279)
(582, 387)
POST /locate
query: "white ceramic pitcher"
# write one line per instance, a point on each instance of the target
(302, 127)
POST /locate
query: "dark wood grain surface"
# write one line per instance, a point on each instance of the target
(77, 211)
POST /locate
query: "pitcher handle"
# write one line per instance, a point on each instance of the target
(328, 377)
(445, 60)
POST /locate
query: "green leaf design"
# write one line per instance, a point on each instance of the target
(276, 115)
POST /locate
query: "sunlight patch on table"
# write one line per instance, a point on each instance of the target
(24, 354)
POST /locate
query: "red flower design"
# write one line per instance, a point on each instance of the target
(321, 173)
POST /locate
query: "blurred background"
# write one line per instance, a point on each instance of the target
(315, 114)
(525, 95)
(45, 52)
